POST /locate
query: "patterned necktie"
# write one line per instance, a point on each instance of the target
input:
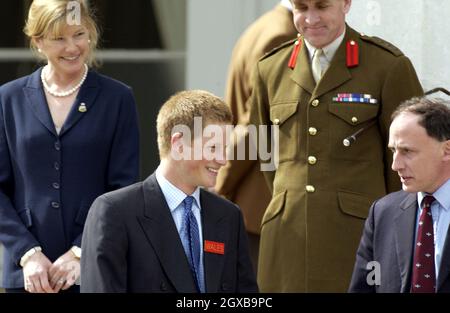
(192, 243)
(316, 66)
(424, 276)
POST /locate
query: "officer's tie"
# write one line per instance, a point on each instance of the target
(316, 66)
(191, 243)
(424, 276)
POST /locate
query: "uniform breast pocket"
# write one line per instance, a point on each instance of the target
(353, 113)
(347, 119)
(283, 116)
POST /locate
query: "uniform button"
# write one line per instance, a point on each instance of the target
(276, 121)
(312, 131)
(56, 165)
(55, 185)
(224, 286)
(310, 189)
(312, 160)
(57, 146)
(163, 286)
(354, 120)
(315, 103)
(55, 205)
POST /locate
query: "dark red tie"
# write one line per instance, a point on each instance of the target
(423, 276)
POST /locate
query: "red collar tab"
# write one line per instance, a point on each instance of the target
(295, 51)
(352, 53)
(214, 247)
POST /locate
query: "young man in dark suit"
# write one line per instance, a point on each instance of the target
(405, 246)
(166, 234)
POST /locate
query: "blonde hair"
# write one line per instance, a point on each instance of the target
(49, 17)
(181, 109)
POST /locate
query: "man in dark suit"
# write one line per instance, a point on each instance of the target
(166, 234)
(405, 246)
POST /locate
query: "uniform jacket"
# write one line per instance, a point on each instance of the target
(322, 190)
(246, 187)
(131, 244)
(48, 181)
(388, 238)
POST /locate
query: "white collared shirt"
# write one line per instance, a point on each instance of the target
(440, 212)
(328, 52)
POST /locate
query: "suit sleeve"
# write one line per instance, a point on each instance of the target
(364, 255)
(123, 168)
(401, 84)
(14, 235)
(104, 248)
(246, 275)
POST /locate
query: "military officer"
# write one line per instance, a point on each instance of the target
(331, 93)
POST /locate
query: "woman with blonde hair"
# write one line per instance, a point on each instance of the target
(67, 135)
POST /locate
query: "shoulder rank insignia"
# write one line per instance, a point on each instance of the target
(352, 53)
(295, 51)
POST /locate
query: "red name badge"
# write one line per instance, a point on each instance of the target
(214, 247)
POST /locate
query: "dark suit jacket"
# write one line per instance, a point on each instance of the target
(388, 238)
(49, 181)
(131, 244)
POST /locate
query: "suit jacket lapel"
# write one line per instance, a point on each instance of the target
(405, 230)
(444, 269)
(87, 95)
(213, 230)
(160, 230)
(36, 100)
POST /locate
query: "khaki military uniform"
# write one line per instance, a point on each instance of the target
(322, 190)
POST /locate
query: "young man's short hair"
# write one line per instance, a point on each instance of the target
(181, 109)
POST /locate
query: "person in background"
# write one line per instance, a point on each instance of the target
(246, 186)
(67, 135)
(405, 246)
(330, 93)
(166, 234)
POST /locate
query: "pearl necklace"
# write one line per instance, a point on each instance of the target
(64, 93)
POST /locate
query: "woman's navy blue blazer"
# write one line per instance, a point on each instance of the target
(48, 181)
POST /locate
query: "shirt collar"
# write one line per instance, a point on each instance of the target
(329, 51)
(441, 195)
(174, 196)
(287, 4)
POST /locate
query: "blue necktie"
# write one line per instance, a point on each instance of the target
(192, 243)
